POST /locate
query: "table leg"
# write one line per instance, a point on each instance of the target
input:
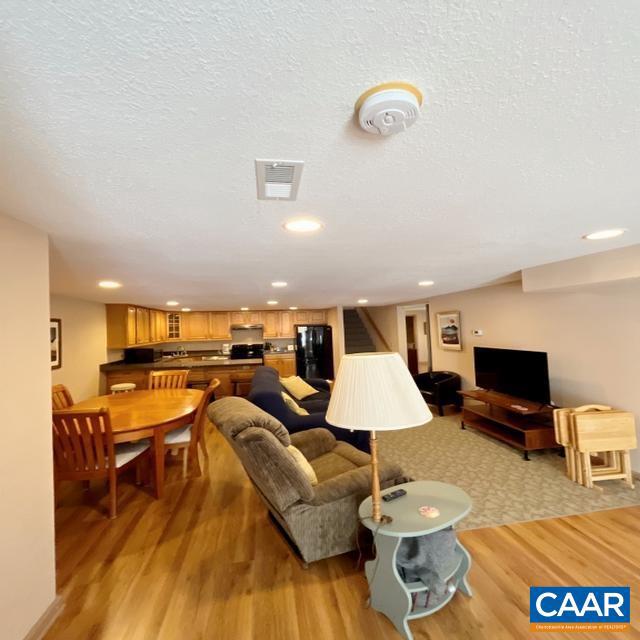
(463, 570)
(387, 594)
(158, 454)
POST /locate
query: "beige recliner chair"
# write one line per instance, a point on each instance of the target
(321, 520)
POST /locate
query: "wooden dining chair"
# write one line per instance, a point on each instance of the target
(188, 438)
(60, 397)
(83, 449)
(168, 379)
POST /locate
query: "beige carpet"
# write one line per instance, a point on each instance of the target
(504, 488)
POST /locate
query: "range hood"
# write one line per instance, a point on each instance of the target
(247, 333)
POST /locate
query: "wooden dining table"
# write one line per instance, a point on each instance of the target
(148, 414)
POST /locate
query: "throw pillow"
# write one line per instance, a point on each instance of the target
(303, 463)
(297, 387)
(293, 405)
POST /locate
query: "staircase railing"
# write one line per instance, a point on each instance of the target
(364, 312)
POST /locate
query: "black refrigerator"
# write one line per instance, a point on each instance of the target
(314, 351)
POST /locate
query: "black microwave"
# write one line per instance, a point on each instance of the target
(139, 355)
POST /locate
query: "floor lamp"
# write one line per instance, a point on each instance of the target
(375, 392)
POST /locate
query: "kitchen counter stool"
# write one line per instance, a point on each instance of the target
(122, 387)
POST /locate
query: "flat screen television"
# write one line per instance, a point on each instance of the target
(524, 374)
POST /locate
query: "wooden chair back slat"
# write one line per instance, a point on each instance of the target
(168, 379)
(82, 443)
(200, 420)
(60, 397)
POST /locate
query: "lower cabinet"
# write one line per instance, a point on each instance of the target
(137, 376)
(199, 378)
(285, 364)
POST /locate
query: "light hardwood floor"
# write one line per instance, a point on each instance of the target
(205, 563)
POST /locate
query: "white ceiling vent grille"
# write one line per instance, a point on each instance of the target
(278, 179)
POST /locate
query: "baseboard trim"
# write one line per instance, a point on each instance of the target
(46, 619)
(636, 474)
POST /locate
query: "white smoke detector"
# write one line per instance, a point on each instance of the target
(389, 108)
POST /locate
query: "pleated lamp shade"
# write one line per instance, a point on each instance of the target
(375, 392)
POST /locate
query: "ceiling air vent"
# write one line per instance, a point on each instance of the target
(278, 179)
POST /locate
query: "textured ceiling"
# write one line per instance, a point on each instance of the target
(129, 130)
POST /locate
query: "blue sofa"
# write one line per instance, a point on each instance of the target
(266, 393)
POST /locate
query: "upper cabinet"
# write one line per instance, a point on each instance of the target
(130, 325)
(143, 332)
(121, 326)
(286, 325)
(310, 316)
(271, 322)
(239, 317)
(195, 325)
(157, 325)
(219, 325)
(174, 326)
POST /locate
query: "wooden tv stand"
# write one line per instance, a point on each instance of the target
(523, 424)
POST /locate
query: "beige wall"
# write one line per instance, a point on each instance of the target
(591, 336)
(420, 315)
(27, 560)
(84, 344)
(387, 320)
(607, 266)
(335, 320)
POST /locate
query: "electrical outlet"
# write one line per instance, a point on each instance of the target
(477, 332)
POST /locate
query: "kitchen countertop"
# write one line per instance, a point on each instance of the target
(189, 362)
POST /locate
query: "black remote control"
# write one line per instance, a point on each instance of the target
(398, 493)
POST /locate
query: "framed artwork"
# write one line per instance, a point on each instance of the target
(55, 342)
(449, 331)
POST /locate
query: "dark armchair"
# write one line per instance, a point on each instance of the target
(439, 388)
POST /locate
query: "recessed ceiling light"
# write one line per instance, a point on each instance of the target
(303, 225)
(172, 303)
(272, 302)
(244, 308)
(293, 308)
(185, 309)
(604, 234)
(279, 284)
(109, 284)
(426, 283)
(362, 301)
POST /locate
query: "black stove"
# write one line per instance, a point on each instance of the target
(247, 351)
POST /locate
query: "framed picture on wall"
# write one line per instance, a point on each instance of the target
(55, 342)
(449, 331)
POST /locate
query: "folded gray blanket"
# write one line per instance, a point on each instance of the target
(427, 558)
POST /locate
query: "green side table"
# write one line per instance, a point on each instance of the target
(389, 593)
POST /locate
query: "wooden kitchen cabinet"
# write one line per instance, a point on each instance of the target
(157, 325)
(301, 317)
(131, 321)
(286, 325)
(121, 326)
(174, 326)
(195, 325)
(310, 316)
(317, 316)
(219, 325)
(130, 325)
(239, 317)
(142, 326)
(271, 322)
(284, 363)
